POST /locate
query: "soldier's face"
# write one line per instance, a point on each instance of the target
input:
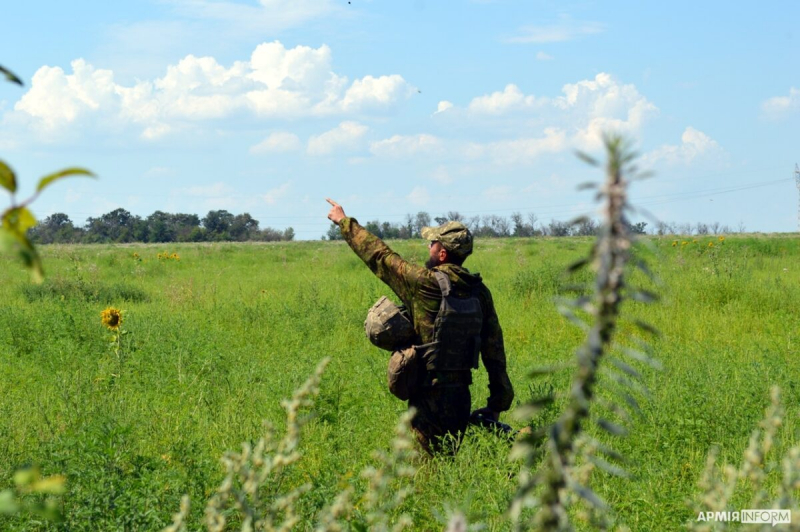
(437, 255)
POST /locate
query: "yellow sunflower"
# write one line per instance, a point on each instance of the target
(111, 318)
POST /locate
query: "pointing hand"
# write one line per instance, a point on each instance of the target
(336, 214)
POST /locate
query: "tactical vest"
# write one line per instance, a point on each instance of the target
(456, 331)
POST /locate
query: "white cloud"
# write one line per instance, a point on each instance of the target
(577, 118)
(564, 30)
(275, 82)
(443, 106)
(276, 194)
(371, 92)
(278, 142)
(419, 196)
(501, 102)
(694, 145)
(781, 105)
(542, 56)
(399, 146)
(345, 136)
(520, 150)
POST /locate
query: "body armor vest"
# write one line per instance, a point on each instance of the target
(456, 331)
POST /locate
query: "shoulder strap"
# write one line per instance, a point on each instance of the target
(444, 282)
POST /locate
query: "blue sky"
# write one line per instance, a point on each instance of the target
(269, 106)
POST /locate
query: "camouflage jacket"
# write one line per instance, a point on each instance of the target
(417, 288)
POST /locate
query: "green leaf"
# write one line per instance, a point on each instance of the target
(10, 76)
(46, 180)
(16, 222)
(18, 219)
(7, 178)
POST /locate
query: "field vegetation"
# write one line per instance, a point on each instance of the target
(217, 334)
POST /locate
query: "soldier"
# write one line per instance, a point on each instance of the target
(442, 400)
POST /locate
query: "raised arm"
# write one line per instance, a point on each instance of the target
(402, 277)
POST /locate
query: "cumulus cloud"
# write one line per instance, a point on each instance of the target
(274, 83)
(443, 106)
(278, 142)
(694, 145)
(565, 29)
(399, 146)
(345, 136)
(576, 118)
(501, 102)
(781, 105)
(520, 150)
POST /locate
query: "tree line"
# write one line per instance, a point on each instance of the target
(120, 226)
(491, 226)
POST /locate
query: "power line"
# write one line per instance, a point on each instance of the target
(550, 210)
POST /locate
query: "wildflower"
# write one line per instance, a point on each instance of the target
(111, 318)
(175, 256)
(674, 243)
(694, 241)
(684, 243)
(711, 244)
(136, 256)
(721, 238)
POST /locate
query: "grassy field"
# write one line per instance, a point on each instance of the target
(216, 338)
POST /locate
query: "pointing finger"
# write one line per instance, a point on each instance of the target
(332, 202)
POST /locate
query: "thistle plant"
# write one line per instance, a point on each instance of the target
(561, 477)
(719, 483)
(252, 484)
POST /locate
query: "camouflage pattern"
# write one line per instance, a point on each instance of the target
(388, 326)
(443, 402)
(454, 237)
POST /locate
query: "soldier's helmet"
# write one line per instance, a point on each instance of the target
(389, 326)
(455, 237)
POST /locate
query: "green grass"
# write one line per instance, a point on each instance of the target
(217, 338)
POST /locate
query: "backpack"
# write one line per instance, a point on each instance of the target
(456, 331)
(455, 347)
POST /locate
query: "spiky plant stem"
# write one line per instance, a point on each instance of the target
(609, 257)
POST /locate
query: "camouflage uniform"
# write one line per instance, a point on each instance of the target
(443, 405)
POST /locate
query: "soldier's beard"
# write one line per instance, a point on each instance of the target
(432, 263)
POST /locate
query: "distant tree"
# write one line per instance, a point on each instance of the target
(374, 227)
(585, 227)
(55, 229)
(243, 227)
(557, 228)
(334, 233)
(422, 219)
(639, 228)
(160, 227)
(217, 224)
(115, 226)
